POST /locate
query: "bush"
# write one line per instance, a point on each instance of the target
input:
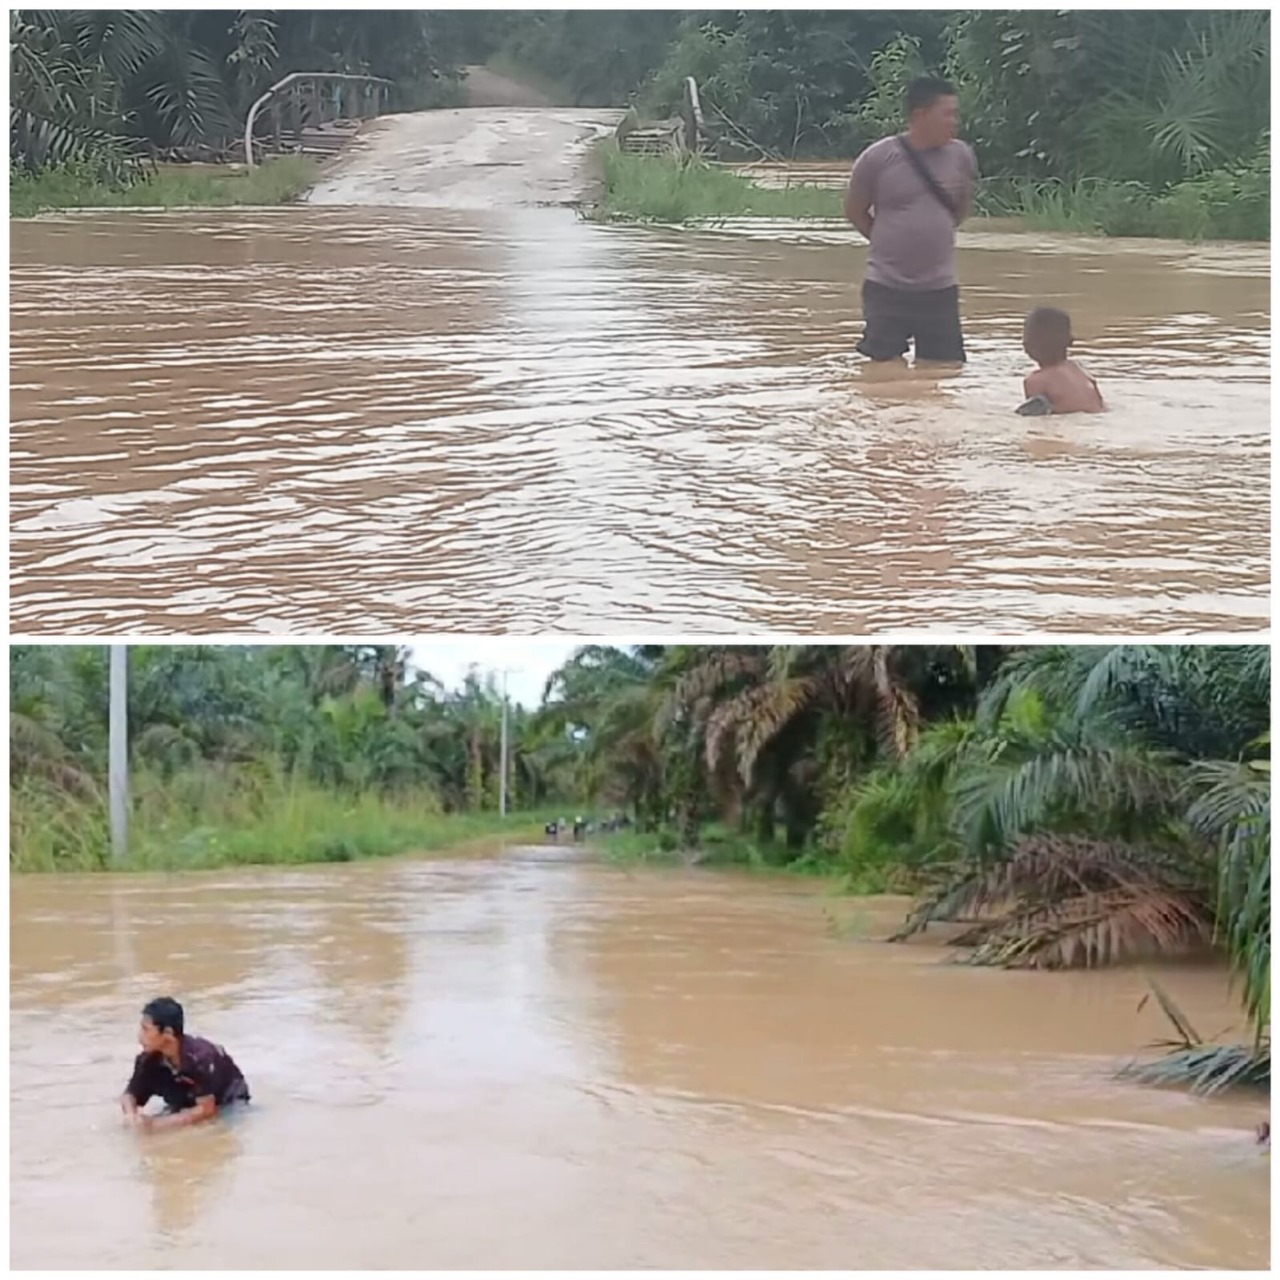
(1231, 203)
(651, 189)
(1225, 204)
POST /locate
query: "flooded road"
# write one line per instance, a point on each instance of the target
(471, 158)
(531, 1062)
(358, 420)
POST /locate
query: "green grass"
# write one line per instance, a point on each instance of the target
(204, 820)
(1224, 205)
(658, 189)
(278, 181)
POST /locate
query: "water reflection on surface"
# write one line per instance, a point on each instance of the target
(327, 420)
(621, 1069)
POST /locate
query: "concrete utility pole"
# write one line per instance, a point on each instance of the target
(118, 750)
(502, 781)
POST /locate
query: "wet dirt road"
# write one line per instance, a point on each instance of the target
(659, 1069)
(507, 420)
(471, 158)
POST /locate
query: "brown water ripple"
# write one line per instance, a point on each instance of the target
(338, 420)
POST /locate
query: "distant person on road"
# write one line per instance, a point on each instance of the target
(194, 1077)
(907, 195)
(1059, 385)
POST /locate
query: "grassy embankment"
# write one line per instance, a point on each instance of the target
(204, 820)
(278, 181)
(1225, 206)
(657, 189)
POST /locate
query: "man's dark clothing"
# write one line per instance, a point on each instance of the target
(896, 317)
(204, 1069)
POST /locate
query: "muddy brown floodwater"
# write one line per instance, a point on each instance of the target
(526, 1061)
(331, 420)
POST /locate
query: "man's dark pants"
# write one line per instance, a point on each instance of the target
(894, 317)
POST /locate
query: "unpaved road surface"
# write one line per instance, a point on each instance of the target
(486, 88)
(489, 158)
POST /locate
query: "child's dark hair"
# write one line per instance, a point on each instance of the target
(1051, 324)
(165, 1013)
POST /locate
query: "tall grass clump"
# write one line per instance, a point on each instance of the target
(662, 189)
(206, 818)
(1231, 203)
(79, 186)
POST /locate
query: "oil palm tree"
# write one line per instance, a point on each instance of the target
(90, 86)
(1124, 821)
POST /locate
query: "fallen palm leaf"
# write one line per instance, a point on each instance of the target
(1190, 1062)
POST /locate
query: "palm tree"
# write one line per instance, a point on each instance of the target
(774, 725)
(600, 706)
(90, 86)
(1102, 828)
(105, 87)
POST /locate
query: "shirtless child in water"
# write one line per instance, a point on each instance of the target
(1059, 385)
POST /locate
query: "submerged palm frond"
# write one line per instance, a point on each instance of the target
(1186, 1060)
(1097, 928)
(1062, 899)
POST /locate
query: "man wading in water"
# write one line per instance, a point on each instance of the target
(194, 1077)
(907, 194)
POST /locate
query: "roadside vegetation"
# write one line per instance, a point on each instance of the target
(1115, 122)
(201, 819)
(102, 101)
(660, 189)
(1230, 204)
(272, 755)
(77, 186)
(1110, 122)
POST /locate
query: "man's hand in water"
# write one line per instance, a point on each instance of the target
(205, 1109)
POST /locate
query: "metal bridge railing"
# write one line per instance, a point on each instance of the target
(301, 95)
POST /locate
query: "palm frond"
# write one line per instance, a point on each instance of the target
(765, 712)
(1097, 928)
(1020, 790)
(1206, 1069)
(720, 668)
(898, 709)
(1188, 1061)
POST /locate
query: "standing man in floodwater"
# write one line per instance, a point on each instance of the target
(194, 1077)
(907, 194)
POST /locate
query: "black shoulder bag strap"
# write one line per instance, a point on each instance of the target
(927, 178)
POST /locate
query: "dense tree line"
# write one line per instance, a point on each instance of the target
(1150, 97)
(353, 718)
(1118, 121)
(1119, 94)
(103, 87)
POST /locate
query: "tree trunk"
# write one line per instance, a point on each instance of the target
(765, 822)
